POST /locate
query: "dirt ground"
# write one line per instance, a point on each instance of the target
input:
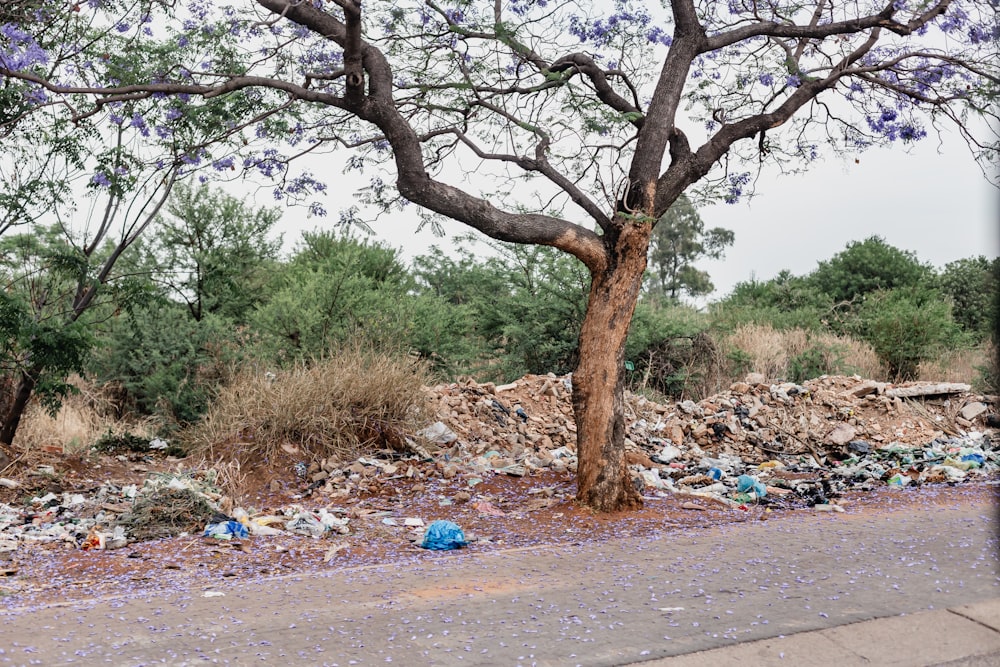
(505, 512)
(502, 479)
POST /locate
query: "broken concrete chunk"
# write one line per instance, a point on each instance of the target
(842, 434)
(972, 410)
(937, 389)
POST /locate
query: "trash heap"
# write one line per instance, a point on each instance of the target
(758, 443)
(788, 443)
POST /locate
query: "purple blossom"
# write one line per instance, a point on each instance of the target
(766, 79)
(139, 123)
(21, 51)
(659, 36)
(793, 81)
(173, 113)
(736, 184)
(100, 179)
(123, 26)
(224, 164)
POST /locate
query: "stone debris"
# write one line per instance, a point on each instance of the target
(784, 445)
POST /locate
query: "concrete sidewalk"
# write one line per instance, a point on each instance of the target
(964, 636)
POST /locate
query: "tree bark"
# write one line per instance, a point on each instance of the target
(603, 479)
(12, 419)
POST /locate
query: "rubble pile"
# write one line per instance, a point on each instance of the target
(813, 440)
(781, 445)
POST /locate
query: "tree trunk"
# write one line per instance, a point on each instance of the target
(603, 479)
(12, 419)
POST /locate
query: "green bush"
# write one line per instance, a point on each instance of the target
(906, 326)
(868, 266)
(165, 363)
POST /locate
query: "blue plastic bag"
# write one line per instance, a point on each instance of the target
(747, 484)
(226, 530)
(442, 536)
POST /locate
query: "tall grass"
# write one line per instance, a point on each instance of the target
(970, 365)
(84, 416)
(339, 406)
(798, 354)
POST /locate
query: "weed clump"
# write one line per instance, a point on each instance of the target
(352, 401)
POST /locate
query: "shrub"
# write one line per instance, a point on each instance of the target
(905, 327)
(352, 400)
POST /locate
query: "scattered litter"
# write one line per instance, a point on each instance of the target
(443, 536)
(226, 530)
(213, 594)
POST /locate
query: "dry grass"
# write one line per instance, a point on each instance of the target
(961, 365)
(354, 400)
(82, 419)
(774, 353)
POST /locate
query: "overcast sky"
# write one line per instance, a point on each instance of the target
(933, 200)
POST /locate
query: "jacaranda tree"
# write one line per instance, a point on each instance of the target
(569, 124)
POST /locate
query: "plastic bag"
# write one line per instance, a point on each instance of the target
(747, 484)
(443, 536)
(226, 530)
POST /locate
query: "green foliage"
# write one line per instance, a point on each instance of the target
(38, 343)
(819, 359)
(679, 240)
(523, 305)
(165, 362)
(906, 326)
(972, 286)
(334, 288)
(784, 302)
(213, 251)
(670, 349)
(867, 266)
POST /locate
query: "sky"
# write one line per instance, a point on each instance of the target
(932, 199)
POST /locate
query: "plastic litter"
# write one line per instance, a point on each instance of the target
(443, 536)
(747, 484)
(438, 433)
(226, 530)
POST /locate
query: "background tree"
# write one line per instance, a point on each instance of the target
(213, 251)
(972, 285)
(428, 89)
(679, 240)
(867, 266)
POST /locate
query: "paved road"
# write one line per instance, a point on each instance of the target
(613, 603)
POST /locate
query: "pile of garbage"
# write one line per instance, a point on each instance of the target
(758, 443)
(788, 443)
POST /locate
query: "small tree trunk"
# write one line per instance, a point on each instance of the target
(12, 419)
(603, 479)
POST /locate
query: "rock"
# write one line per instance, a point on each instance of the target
(842, 434)
(755, 379)
(938, 389)
(972, 410)
(866, 388)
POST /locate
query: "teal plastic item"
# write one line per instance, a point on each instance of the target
(443, 536)
(747, 484)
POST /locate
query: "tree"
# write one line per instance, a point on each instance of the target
(679, 240)
(867, 266)
(905, 326)
(81, 186)
(971, 284)
(213, 249)
(574, 116)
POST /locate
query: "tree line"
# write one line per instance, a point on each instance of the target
(210, 293)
